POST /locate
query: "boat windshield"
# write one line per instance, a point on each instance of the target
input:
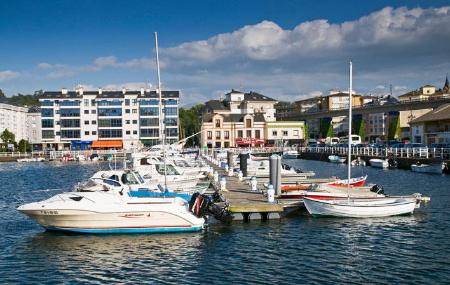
(181, 163)
(129, 179)
(170, 169)
(139, 177)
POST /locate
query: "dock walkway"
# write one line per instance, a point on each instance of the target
(245, 204)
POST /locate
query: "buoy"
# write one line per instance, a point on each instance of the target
(240, 175)
(254, 184)
(223, 184)
(270, 194)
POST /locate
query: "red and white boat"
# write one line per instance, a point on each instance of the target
(355, 182)
(327, 192)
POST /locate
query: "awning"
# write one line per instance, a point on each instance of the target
(106, 144)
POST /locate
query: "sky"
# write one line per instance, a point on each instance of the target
(287, 50)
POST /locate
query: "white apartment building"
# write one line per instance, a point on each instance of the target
(285, 132)
(107, 119)
(23, 122)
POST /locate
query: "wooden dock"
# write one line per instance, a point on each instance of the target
(247, 205)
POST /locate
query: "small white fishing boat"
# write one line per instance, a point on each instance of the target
(290, 154)
(379, 163)
(358, 162)
(428, 168)
(336, 159)
(361, 208)
(31, 159)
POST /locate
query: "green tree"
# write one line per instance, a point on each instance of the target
(394, 131)
(24, 146)
(306, 132)
(7, 137)
(190, 123)
(359, 128)
(326, 128)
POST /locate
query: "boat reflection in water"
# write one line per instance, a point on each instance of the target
(115, 258)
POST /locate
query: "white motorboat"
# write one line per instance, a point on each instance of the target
(428, 168)
(358, 162)
(361, 208)
(290, 154)
(379, 163)
(31, 159)
(114, 202)
(336, 159)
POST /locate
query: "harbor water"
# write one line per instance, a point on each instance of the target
(300, 250)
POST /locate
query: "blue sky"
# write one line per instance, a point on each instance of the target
(284, 49)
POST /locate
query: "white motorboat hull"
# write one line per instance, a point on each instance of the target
(112, 215)
(361, 208)
(336, 159)
(428, 168)
(379, 163)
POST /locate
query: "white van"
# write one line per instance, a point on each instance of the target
(332, 140)
(355, 140)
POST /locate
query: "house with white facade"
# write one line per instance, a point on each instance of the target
(23, 122)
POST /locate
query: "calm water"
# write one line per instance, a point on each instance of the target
(397, 250)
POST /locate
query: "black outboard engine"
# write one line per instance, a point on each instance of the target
(377, 189)
(392, 162)
(199, 204)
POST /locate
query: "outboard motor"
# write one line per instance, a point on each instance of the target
(377, 189)
(201, 205)
(392, 162)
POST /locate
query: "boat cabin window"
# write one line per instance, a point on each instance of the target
(170, 169)
(139, 177)
(114, 177)
(129, 179)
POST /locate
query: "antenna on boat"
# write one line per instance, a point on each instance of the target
(162, 129)
(349, 159)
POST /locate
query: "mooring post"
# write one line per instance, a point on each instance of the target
(275, 173)
(243, 163)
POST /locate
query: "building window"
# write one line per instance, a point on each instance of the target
(94, 133)
(146, 102)
(240, 134)
(274, 133)
(70, 134)
(217, 123)
(92, 102)
(127, 132)
(134, 132)
(170, 111)
(70, 123)
(257, 134)
(285, 133)
(149, 111)
(226, 134)
(86, 111)
(134, 122)
(127, 122)
(106, 112)
(296, 133)
(46, 112)
(172, 132)
(127, 102)
(86, 102)
(248, 123)
(226, 144)
(134, 111)
(134, 101)
(94, 122)
(108, 133)
(48, 134)
(86, 122)
(149, 133)
(209, 135)
(93, 112)
(109, 123)
(249, 133)
(127, 111)
(171, 121)
(217, 135)
(86, 133)
(47, 123)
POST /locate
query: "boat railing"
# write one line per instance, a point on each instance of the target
(37, 195)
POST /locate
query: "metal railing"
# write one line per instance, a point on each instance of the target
(417, 152)
(15, 154)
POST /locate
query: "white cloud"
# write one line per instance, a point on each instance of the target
(8, 75)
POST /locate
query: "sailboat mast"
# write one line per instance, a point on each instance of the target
(349, 159)
(162, 129)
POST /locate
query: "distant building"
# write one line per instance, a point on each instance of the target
(285, 132)
(433, 127)
(241, 119)
(107, 119)
(426, 92)
(23, 122)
